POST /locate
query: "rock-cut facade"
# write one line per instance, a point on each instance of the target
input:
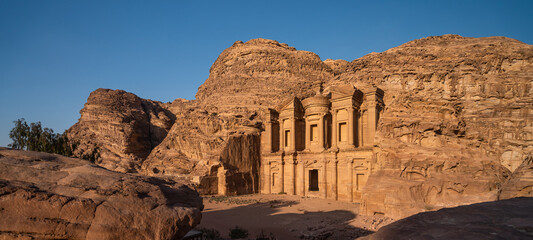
(321, 146)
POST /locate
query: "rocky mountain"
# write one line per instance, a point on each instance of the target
(48, 196)
(261, 73)
(124, 127)
(457, 122)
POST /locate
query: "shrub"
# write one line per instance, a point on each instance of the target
(263, 236)
(210, 233)
(237, 232)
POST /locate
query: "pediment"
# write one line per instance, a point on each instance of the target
(342, 91)
(292, 106)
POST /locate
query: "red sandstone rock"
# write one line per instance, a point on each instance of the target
(457, 121)
(507, 219)
(123, 126)
(261, 73)
(47, 196)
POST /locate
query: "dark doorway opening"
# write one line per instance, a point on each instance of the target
(313, 180)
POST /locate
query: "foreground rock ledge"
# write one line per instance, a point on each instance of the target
(505, 219)
(48, 196)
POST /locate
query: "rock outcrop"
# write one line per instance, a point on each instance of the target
(457, 123)
(220, 153)
(520, 184)
(124, 127)
(261, 73)
(458, 120)
(507, 219)
(47, 196)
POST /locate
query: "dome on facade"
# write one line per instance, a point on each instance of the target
(318, 100)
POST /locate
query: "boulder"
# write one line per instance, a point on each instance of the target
(506, 219)
(48, 196)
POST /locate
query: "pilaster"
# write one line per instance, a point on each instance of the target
(350, 127)
(321, 133)
(334, 130)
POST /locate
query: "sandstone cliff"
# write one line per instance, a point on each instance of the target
(123, 126)
(205, 147)
(457, 122)
(47, 196)
(261, 73)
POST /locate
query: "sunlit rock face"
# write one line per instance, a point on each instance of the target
(48, 196)
(219, 153)
(456, 124)
(261, 73)
(123, 126)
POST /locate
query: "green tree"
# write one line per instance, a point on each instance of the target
(19, 134)
(34, 137)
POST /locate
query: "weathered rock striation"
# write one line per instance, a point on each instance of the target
(456, 127)
(261, 73)
(507, 219)
(124, 127)
(458, 120)
(220, 153)
(47, 196)
(520, 184)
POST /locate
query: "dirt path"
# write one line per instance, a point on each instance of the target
(287, 217)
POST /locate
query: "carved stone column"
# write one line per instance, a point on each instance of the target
(293, 181)
(282, 135)
(351, 187)
(360, 127)
(307, 134)
(333, 180)
(372, 123)
(282, 166)
(365, 126)
(325, 180)
(350, 127)
(334, 129)
(301, 173)
(269, 177)
(221, 175)
(292, 145)
(289, 176)
(268, 130)
(321, 133)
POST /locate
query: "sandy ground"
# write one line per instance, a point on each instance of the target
(288, 217)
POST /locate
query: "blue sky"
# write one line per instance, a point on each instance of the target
(54, 53)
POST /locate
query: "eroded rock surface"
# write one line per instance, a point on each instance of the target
(206, 147)
(507, 219)
(458, 120)
(124, 127)
(520, 184)
(47, 196)
(261, 73)
(457, 123)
